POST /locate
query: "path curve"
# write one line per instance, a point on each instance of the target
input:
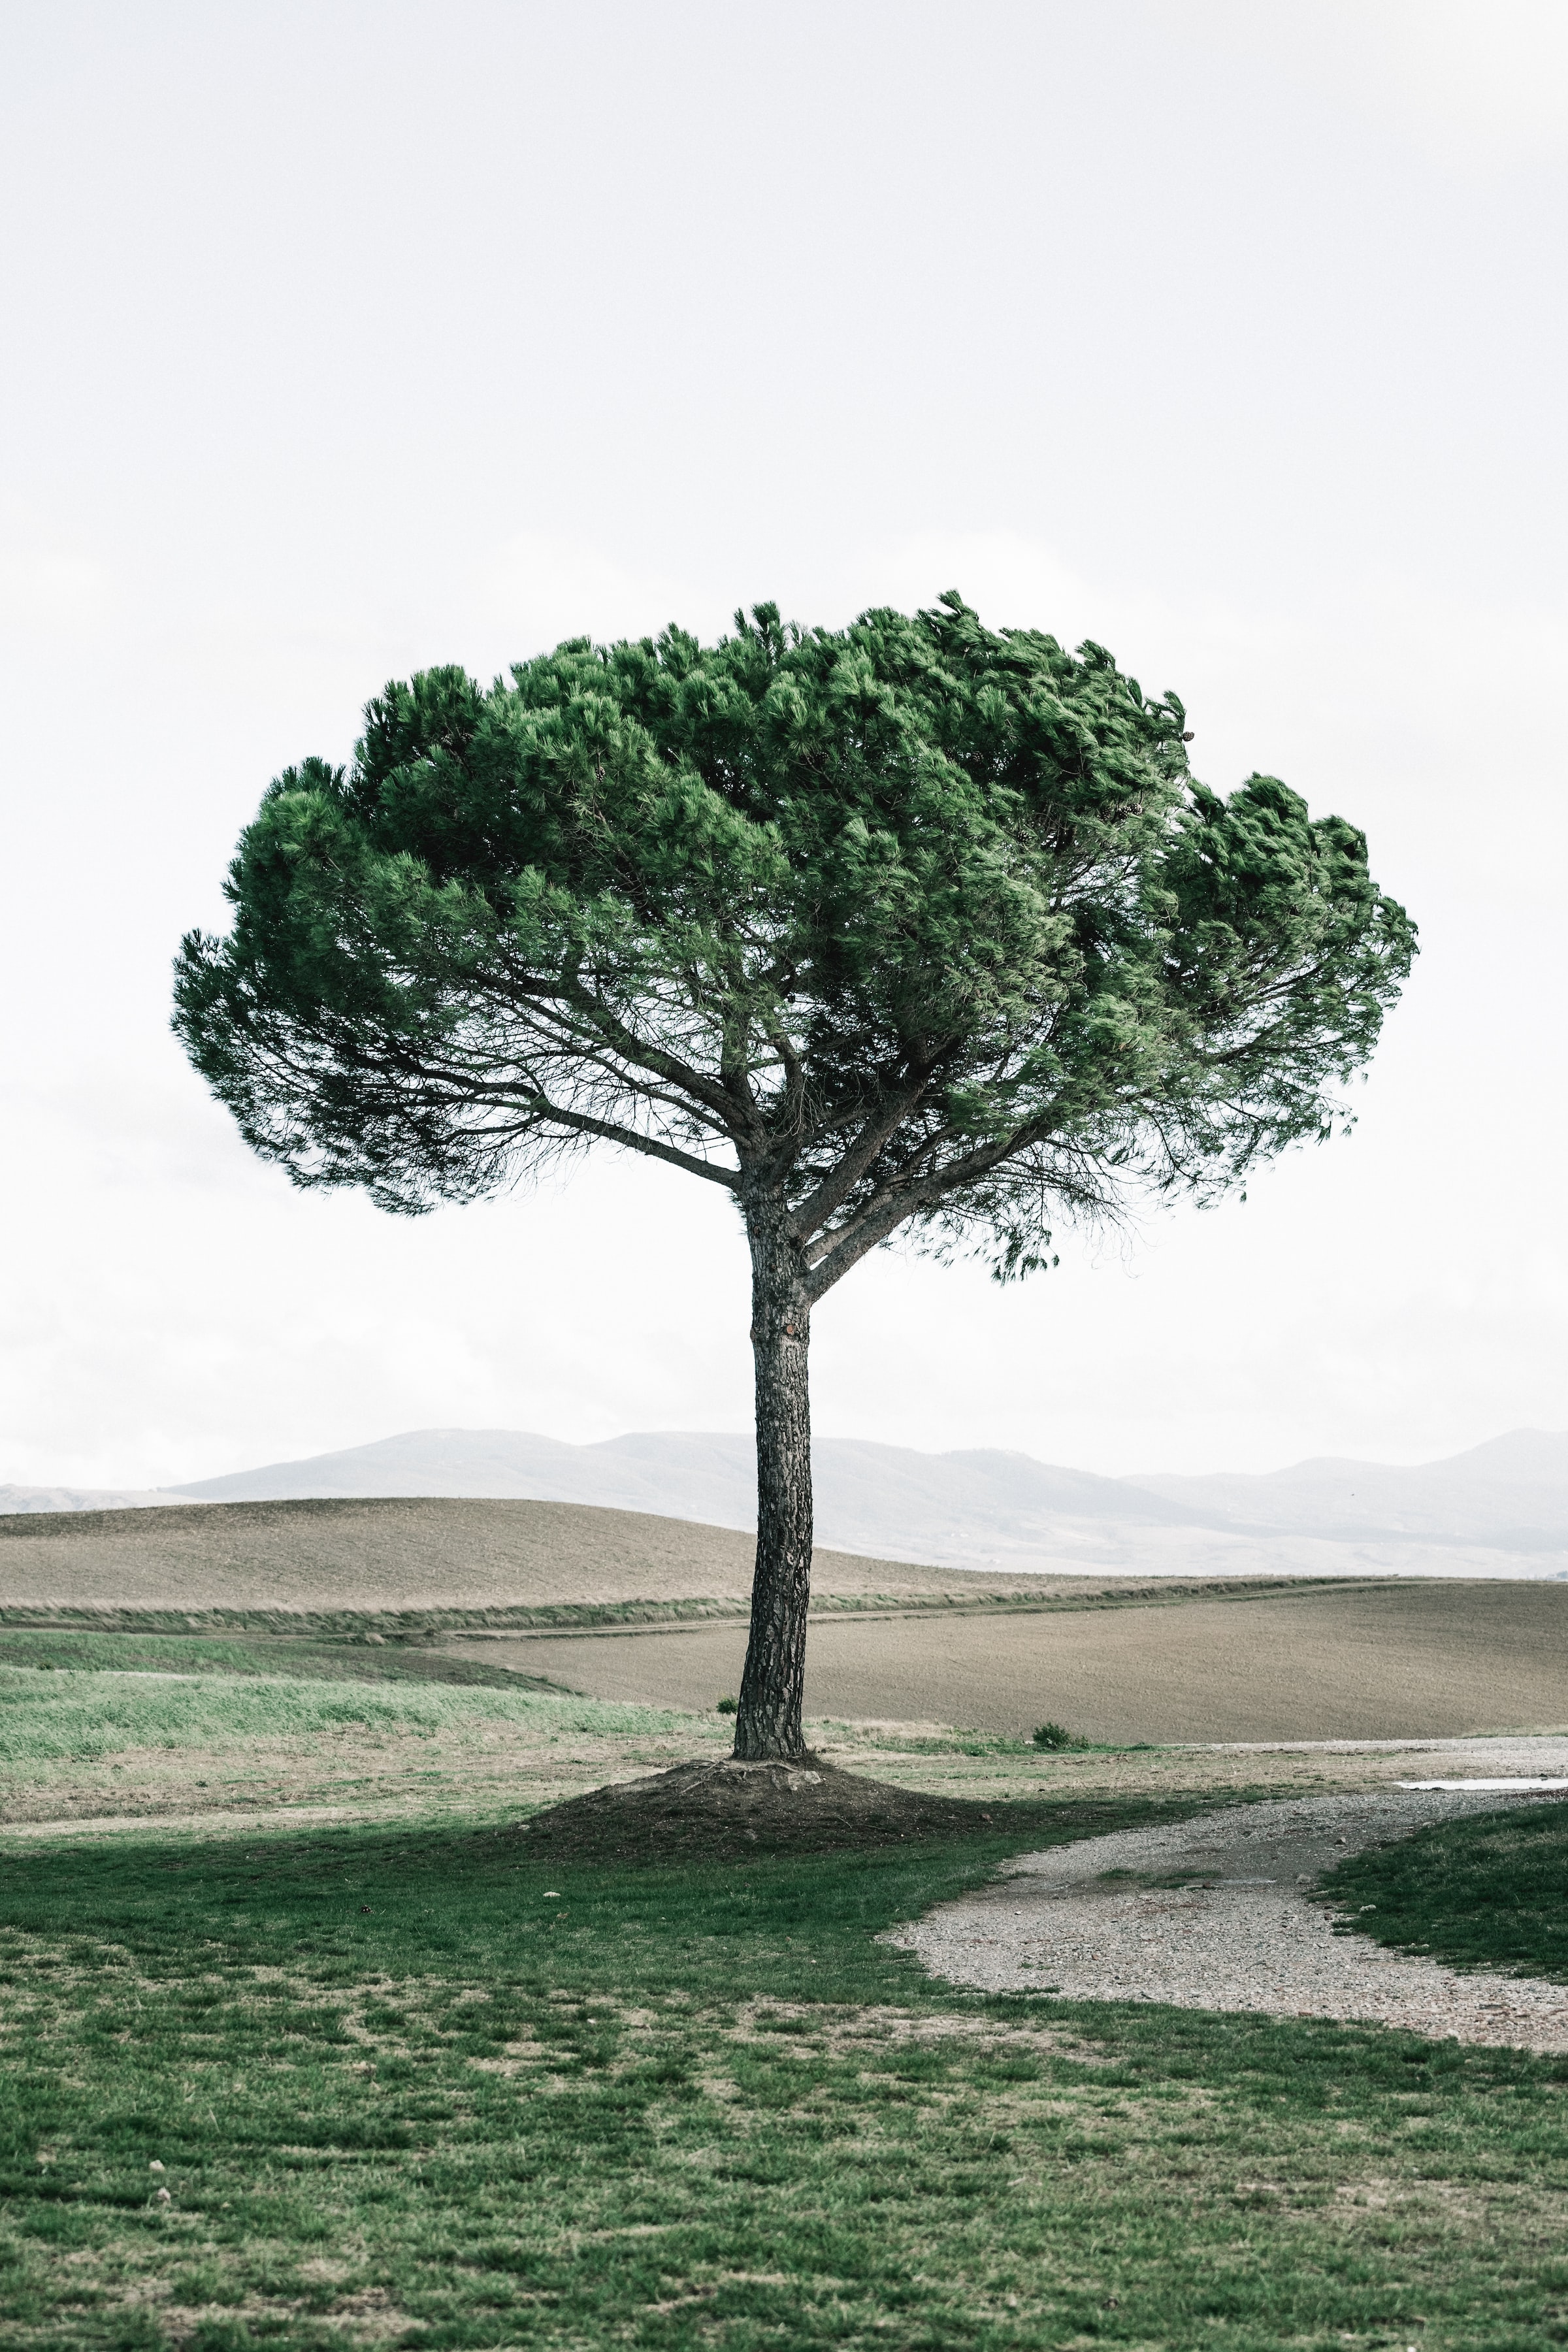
(1091, 1921)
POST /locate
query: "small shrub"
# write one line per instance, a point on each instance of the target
(727, 1706)
(1056, 1735)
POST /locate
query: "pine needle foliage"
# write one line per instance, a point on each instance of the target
(912, 927)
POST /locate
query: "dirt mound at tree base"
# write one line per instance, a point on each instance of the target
(727, 1811)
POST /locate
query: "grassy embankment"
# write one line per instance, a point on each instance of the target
(414, 2085)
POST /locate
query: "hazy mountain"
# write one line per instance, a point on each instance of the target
(78, 1498)
(1512, 1492)
(1501, 1509)
(711, 1478)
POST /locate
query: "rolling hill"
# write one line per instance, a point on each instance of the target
(1501, 1509)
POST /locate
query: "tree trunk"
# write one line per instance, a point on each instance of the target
(768, 1719)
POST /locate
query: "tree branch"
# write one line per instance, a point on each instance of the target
(840, 1182)
(582, 1123)
(632, 1048)
(901, 1199)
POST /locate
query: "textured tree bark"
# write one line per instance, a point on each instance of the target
(768, 1718)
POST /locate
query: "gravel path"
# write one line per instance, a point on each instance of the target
(1091, 1921)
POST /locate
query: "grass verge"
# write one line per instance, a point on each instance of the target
(54, 1649)
(393, 1624)
(1491, 1891)
(423, 2089)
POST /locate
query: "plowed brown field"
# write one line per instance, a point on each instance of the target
(440, 1553)
(1409, 1660)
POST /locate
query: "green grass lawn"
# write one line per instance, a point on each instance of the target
(421, 2088)
(1489, 1892)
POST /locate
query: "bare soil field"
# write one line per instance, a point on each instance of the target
(428, 1554)
(999, 1653)
(1407, 1661)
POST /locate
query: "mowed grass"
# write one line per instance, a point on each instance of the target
(1488, 1891)
(422, 2089)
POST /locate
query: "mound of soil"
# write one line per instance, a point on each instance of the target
(728, 1812)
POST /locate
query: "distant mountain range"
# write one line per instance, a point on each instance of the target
(1502, 1509)
(83, 1498)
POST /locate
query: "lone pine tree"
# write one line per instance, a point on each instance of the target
(911, 927)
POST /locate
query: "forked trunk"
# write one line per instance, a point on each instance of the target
(768, 1719)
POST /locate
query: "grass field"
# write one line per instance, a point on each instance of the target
(395, 2081)
(107, 1740)
(409, 2090)
(1491, 1893)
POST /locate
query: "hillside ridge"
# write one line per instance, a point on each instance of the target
(1498, 1510)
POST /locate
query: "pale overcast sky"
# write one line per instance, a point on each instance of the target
(345, 339)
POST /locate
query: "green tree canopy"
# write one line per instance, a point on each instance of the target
(914, 927)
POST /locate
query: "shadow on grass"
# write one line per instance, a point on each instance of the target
(411, 1898)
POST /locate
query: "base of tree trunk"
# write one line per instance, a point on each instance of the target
(730, 1811)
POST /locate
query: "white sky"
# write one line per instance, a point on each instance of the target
(345, 339)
